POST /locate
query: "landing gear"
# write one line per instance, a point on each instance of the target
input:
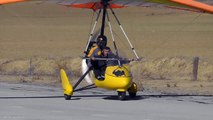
(121, 95)
(67, 97)
(133, 90)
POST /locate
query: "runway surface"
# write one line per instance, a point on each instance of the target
(28, 102)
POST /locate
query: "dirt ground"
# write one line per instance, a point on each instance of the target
(35, 29)
(179, 87)
(164, 87)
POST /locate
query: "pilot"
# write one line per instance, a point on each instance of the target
(94, 54)
(112, 58)
(103, 63)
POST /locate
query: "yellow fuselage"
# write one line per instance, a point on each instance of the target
(116, 78)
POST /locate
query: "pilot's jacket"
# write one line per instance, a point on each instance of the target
(95, 52)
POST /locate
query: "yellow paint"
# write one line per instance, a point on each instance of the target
(113, 82)
(92, 50)
(67, 87)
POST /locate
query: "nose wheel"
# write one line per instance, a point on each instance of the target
(67, 97)
(121, 95)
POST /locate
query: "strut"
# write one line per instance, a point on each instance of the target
(105, 4)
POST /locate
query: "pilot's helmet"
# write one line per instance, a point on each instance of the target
(102, 41)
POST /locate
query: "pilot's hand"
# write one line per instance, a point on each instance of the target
(92, 58)
(131, 60)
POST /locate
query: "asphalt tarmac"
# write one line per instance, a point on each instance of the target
(29, 102)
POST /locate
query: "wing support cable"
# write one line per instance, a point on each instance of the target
(92, 32)
(113, 39)
(133, 49)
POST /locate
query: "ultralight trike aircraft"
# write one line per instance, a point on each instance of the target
(118, 76)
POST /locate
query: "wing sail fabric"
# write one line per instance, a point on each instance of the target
(9, 1)
(96, 4)
(198, 5)
(188, 4)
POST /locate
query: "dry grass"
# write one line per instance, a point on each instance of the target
(150, 69)
(44, 66)
(166, 75)
(14, 66)
(171, 68)
(179, 87)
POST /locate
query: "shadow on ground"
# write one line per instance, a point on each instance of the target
(105, 97)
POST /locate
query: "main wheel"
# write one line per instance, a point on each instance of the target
(121, 95)
(133, 90)
(67, 97)
(132, 95)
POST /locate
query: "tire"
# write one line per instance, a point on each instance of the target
(67, 97)
(132, 95)
(132, 90)
(121, 95)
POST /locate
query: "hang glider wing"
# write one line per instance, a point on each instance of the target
(9, 1)
(178, 4)
(193, 5)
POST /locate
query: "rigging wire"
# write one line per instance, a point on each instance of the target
(91, 23)
(121, 41)
(178, 30)
(181, 28)
(191, 22)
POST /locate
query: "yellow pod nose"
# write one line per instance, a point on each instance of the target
(116, 78)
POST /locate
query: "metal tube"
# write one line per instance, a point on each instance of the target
(93, 29)
(105, 5)
(86, 87)
(113, 39)
(82, 77)
(133, 49)
(110, 59)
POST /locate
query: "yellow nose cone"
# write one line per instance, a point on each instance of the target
(116, 78)
(67, 87)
